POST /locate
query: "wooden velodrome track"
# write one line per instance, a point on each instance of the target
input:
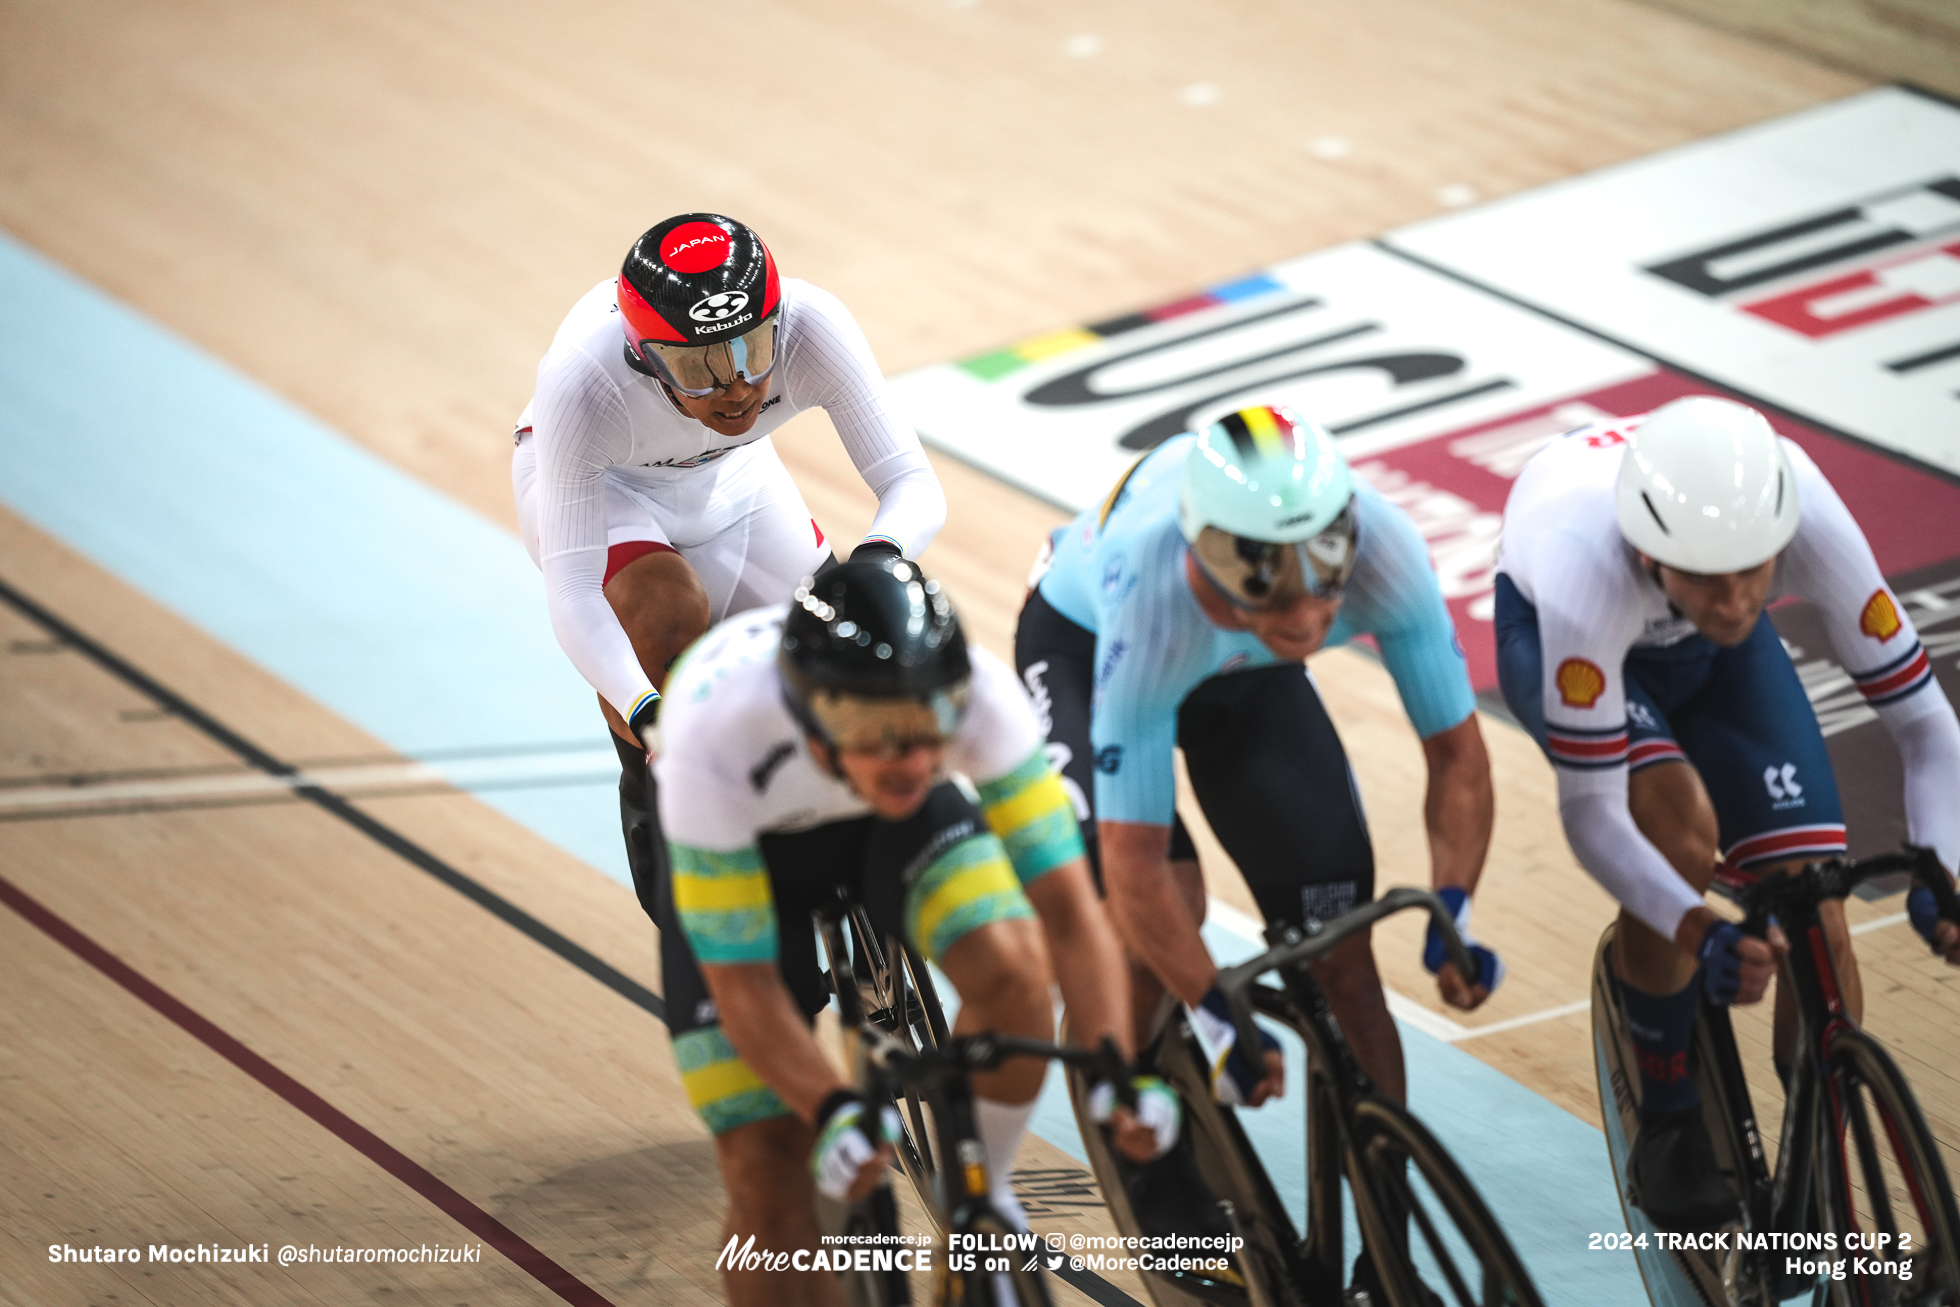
(381, 212)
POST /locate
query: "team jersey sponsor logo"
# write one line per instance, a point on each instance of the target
(1109, 759)
(722, 304)
(696, 247)
(695, 460)
(1784, 789)
(765, 771)
(1580, 683)
(1880, 620)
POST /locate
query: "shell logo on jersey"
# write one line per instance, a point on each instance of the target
(1880, 620)
(1580, 683)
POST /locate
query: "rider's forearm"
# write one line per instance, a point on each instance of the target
(1150, 914)
(1593, 809)
(1460, 805)
(762, 1021)
(1088, 960)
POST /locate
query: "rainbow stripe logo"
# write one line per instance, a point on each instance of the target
(1001, 362)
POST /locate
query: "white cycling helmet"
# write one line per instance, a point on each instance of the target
(1706, 487)
(1267, 506)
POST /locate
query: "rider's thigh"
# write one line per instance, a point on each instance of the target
(1270, 773)
(1752, 734)
(722, 1088)
(766, 543)
(660, 605)
(939, 875)
(1671, 807)
(1001, 963)
(1056, 660)
(1349, 977)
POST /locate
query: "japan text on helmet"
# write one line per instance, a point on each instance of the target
(1267, 507)
(872, 658)
(1706, 487)
(699, 299)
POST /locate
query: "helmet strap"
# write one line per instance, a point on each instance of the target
(813, 731)
(1654, 572)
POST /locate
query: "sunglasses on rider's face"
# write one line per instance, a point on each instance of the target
(700, 370)
(1258, 575)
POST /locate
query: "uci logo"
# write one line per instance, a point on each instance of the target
(721, 304)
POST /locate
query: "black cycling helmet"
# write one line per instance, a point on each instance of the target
(699, 300)
(873, 657)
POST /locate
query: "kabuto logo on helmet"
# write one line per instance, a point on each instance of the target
(722, 304)
(696, 247)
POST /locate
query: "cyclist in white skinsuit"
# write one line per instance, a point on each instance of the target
(1638, 557)
(647, 488)
(615, 461)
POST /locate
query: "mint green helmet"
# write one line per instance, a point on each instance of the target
(1267, 507)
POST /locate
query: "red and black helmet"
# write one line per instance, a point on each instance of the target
(698, 297)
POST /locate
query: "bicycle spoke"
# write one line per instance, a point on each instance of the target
(1444, 1259)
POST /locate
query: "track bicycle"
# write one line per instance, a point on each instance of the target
(1858, 1209)
(886, 985)
(1463, 1258)
(987, 1262)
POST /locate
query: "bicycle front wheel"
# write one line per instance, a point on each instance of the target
(1882, 1188)
(1019, 1285)
(1428, 1233)
(873, 1224)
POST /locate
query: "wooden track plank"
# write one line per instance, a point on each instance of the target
(174, 1146)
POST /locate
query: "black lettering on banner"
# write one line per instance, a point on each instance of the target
(1860, 228)
(1072, 388)
(1402, 368)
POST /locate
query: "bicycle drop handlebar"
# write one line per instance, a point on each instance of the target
(1293, 947)
(899, 1065)
(1782, 890)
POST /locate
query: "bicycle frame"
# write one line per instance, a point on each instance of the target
(1812, 1151)
(889, 990)
(1778, 1201)
(1335, 1081)
(965, 1206)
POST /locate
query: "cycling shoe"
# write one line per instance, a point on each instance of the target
(1673, 1176)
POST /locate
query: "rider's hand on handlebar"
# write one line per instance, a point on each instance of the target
(1145, 1132)
(1736, 968)
(1236, 1079)
(1944, 936)
(1458, 990)
(846, 1163)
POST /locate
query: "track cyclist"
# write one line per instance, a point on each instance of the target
(1178, 614)
(647, 487)
(806, 748)
(1637, 557)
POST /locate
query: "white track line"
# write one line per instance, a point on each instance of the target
(464, 774)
